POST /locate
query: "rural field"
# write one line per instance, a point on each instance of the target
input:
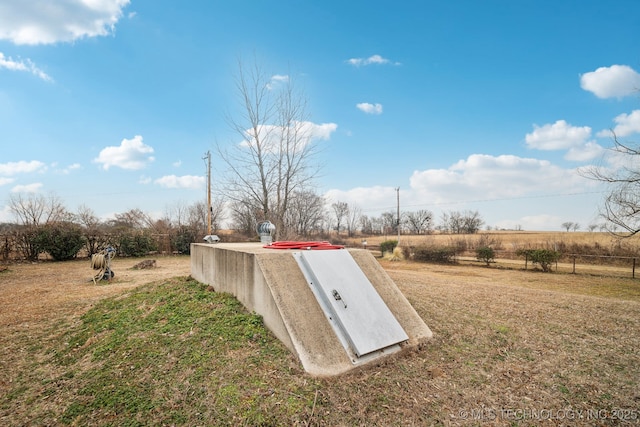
(154, 347)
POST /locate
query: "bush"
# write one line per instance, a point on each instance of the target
(62, 240)
(485, 254)
(388, 246)
(445, 254)
(135, 244)
(182, 240)
(543, 257)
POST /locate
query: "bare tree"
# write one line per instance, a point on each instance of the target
(244, 217)
(567, 225)
(132, 219)
(419, 222)
(469, 222)
(274, 159)
(306, 214)
(93, 228)
(353, 217)
(31, 214)
(37, 209)
(366, 224)
(621, 207)
(389, 222)
(340, 212)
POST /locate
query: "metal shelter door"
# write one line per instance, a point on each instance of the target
(362, 315)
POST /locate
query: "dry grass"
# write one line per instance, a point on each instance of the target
(509, 347)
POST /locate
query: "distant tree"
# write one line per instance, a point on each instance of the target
(419, 222)
(244, 217)
(37, 209)
(340, 213)
(592, 227)
(366, 225)
(575, 226)
(31, 213)
(134, 219)
(468, 222)
(567, 225)
(389, 222)
(306, 214)
(352, 218)
(96, 237)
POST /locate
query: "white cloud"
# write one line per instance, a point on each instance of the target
(608, 82)
(494, 177)
(5, 181)
(68, 169)
(563, 136)
(47, 22)
(22, 65)
(14, 168)
(558, 136)
(185, 181)
(277, 79)
(585, 152)
(131, 154)
(369, 108)
(626, 124)
(480, 176)
(29, 188)
(305, 131)
(322, 131)
(373, 59)
(177, 164)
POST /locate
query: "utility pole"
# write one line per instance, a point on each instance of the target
(208, 159)
(398, 196)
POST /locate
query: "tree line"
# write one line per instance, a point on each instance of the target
(44, 225)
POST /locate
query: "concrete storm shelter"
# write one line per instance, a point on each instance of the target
(334, 309)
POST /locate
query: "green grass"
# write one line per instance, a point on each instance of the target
(174, 353)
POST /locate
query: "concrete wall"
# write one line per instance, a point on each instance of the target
(270, 283)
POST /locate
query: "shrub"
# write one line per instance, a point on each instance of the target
(444, 254)
(388, 246)
(61, 240)
(135, 244)
(28, 241)
(182, 240)
(543, 257)
(485, 254)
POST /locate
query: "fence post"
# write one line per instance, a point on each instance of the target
(633, 271)
(574, 264)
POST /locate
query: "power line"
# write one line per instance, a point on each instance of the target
(459, 202)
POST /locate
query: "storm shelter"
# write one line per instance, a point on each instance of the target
(334, 309)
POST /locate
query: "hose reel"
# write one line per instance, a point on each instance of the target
(101, 261)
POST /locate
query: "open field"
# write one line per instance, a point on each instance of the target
(508, 241)
(510, 347)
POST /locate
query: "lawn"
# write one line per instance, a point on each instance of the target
(510, 347)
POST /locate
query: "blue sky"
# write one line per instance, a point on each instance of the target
(464, 105)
